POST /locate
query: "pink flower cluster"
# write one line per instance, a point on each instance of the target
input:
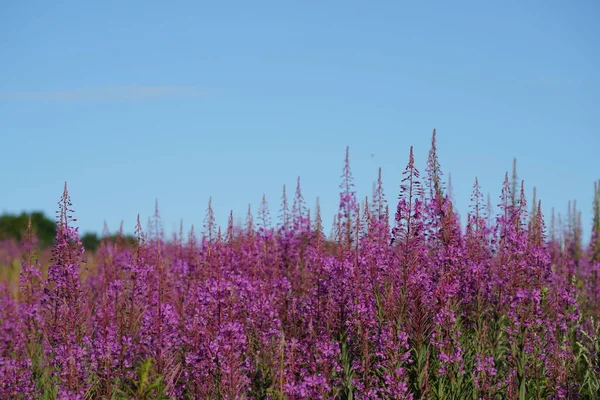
(426, 308)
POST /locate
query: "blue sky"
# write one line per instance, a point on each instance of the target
(135, 101)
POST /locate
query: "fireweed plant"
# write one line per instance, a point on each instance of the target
(423, 308)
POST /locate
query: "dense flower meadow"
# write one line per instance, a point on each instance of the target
(420, 308)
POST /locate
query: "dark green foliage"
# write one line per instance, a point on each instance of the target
(13, 226)
(90, 241)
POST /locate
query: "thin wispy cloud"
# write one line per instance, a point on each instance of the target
(107, 93)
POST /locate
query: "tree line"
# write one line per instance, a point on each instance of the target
(14, 226)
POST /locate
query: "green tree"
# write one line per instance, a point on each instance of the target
(13, 226)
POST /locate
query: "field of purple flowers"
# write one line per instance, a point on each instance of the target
(421, 308)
